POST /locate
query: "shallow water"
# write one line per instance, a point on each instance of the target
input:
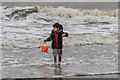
(89, 59)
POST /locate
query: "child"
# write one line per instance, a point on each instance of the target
(56, 38)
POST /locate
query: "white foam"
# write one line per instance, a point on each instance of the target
(30, 33)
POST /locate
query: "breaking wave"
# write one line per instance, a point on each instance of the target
(27, 27)
(33, 42)
(48, 14)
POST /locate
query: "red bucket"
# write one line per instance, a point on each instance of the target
(44, 48)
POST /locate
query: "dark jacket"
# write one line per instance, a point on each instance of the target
(53, 39)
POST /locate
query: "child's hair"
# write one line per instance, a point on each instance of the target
(61, 26)
(57, 25)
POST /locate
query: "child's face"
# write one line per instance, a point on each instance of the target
(55, 29)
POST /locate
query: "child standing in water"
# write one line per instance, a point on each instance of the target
(56, 38)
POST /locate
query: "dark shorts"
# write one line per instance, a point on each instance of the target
(57, 52)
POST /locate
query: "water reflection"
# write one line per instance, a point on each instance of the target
(58, 70)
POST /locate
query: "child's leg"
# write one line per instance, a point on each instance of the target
(55, 55)
(55, 60)
(59, 59)
(60, 56)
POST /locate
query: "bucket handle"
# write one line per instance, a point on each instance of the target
(44, 43)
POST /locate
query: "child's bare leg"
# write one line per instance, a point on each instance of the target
(60, 54)
(59, 59)
(55, 60)
(55, 56)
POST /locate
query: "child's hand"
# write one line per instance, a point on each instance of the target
(63, 35)
(45, 40)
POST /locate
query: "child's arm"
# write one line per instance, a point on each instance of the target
(64, 34)
(50, 37)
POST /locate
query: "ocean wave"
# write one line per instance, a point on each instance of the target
(90, 40)
(34, 42)
(50, 14)
(29, 31)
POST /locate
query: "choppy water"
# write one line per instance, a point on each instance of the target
(95, 59)
(27, 27)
